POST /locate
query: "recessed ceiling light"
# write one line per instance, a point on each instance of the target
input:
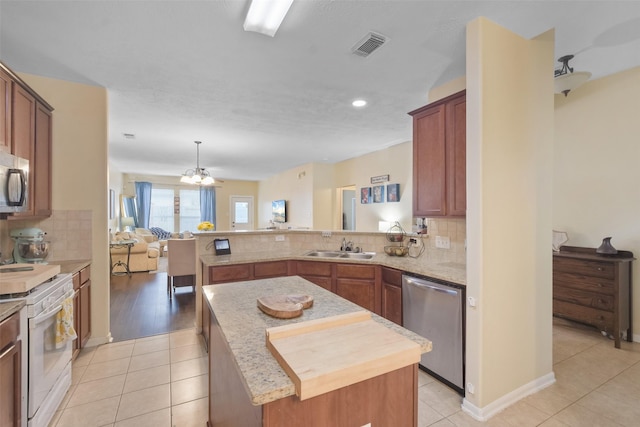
(359, 103)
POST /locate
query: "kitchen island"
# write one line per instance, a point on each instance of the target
(248, 387)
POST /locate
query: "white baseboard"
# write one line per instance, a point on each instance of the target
(488, 411)
(94, 341)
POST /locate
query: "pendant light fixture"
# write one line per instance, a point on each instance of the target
(198, 176)
(565, 79)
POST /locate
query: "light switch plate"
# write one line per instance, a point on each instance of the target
(443, 242)
(279, 238)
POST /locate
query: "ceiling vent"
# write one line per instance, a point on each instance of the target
(368, 44)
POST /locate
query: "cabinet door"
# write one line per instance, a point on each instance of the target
(5, 111)
(361, 292)
(42, 162)
(392, 295)
(429, 162)
(318, 272)
(456, 118)
(76, 322)
(23, 136)
(10, 372)
(85, 313)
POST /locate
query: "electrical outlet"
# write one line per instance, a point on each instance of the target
(412, 240)
(443, 242)
(279, 238)
(326, 234)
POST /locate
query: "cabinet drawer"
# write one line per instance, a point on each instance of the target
(9, 330)
(598, 318)
(588, 268)
(270, 269)
(314, 268)
(584, 283)
(356, 271)
(85, 274)
(588, 299)
(231, 273)
(76, 281)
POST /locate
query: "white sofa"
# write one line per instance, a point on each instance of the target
(144, 253)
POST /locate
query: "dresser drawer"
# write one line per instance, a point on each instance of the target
(582, 267)
(582, 282)
(598, 318)
(580, 297)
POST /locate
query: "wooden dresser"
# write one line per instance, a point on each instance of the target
(594, 289)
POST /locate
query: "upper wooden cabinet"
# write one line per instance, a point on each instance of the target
(5, 110)
(26, 131)
(439, 158)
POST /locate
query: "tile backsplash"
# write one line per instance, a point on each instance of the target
(68, 231)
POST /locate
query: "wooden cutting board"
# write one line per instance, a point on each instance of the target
(285, 306)
(23, 281)
(327, 354)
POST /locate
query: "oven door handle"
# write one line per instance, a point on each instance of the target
(49, 314)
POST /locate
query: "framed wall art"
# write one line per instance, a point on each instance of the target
(365, 195)
(378, 194)
(393, 193)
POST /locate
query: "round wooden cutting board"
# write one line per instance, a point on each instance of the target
(284, 306)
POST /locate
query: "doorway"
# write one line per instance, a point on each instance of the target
(348, 207)
(241, 214)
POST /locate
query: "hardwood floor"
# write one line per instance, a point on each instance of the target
(140, 306)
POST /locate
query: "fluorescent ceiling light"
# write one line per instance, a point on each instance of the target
(265, 16)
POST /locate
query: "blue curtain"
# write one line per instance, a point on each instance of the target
(208, 204)
(143, 199)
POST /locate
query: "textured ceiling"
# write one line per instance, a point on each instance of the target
(179, 71)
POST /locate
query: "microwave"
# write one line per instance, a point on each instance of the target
(14, 176)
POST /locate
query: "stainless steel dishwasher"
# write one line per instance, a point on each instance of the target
(435, 310)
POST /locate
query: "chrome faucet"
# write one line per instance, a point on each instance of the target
(346, 246)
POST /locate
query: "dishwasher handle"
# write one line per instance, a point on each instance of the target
(426, 285)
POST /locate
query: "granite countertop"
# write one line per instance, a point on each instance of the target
(449, 271)
(71, 266)
(244, 325)
(8, 308)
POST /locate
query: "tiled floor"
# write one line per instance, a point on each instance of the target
(162, 381)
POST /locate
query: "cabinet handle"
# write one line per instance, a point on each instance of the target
(600, 268)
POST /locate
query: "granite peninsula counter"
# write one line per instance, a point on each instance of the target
(248, 386)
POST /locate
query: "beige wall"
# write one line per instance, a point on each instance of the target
(224, 191)
(79, 181)
(596, 173)
(509, 167)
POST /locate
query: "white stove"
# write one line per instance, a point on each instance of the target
(48, 363)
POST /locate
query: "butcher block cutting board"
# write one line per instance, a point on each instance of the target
(323, 355)
(284, 306)
(23, 281)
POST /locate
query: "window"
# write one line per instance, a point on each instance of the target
(166, 214)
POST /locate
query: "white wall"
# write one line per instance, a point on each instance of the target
(597, 174)
(509, 167)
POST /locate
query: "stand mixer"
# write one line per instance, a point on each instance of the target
(30, 246)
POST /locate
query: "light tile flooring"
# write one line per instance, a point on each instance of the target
(162, 381)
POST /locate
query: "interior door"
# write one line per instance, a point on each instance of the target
(241, 213)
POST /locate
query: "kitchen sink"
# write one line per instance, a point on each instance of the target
(339, 254)
(357, 255)
(328, 254)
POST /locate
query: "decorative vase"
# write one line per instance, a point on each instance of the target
(606, 248)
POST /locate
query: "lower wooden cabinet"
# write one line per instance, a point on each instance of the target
(359, 284)
(10, 372)
(249, 271)
(82, 308)
(320, 273)
(392, 294)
